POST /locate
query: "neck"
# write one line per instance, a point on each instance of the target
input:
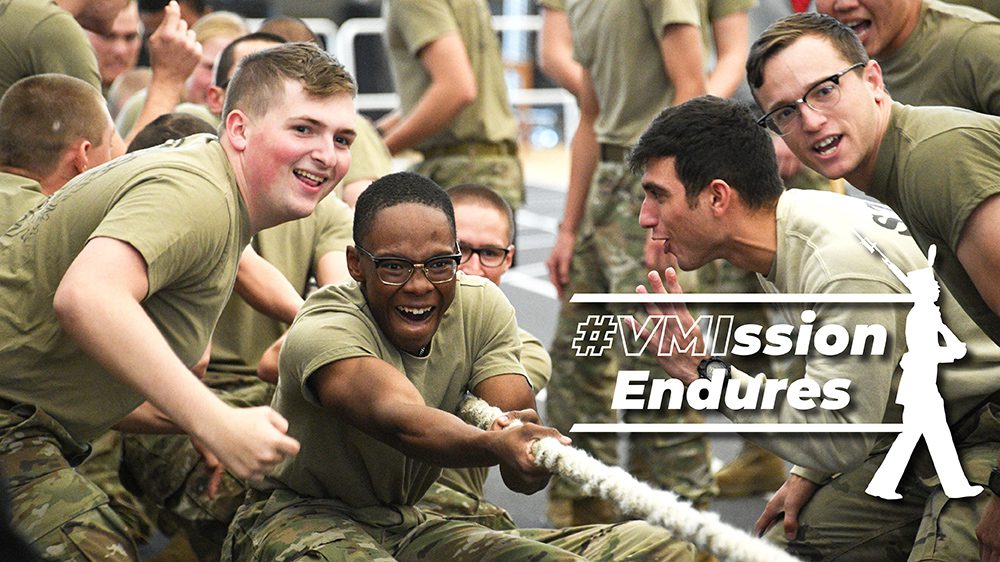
(72, 6)
(754, 240)
(864, 174)
(910, 24)
(236, 163)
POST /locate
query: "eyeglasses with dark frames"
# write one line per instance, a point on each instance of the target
(397, 271)
(489, 256)
(822, 97)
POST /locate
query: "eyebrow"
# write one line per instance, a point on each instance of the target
(785, 103)
(652, 186)
(316, 122)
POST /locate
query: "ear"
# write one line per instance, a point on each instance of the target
(237, 125)
(215, 98)
(720, 196)
(873, 76)
(354, 264)
(80, 151)
(510, 258)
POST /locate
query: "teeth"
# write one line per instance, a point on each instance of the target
(308, 176)
(825, 143)
(415, 311)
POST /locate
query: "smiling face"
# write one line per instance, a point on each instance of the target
(843, 140)
(684, 231)
(479, 226)
(293, 155)
(408, 314)
(883, 26)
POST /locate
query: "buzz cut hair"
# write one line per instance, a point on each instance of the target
(397, 189)
(42, 115)
(479, 194)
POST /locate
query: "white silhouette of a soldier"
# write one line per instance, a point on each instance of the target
(923, 407)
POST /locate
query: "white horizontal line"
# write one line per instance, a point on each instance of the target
(528, 283)
(880, 298)
(538, 221)
(736, 428)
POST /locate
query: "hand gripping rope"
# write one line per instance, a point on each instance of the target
(658, 507)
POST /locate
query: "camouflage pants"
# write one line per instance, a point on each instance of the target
(280, 525)
(458, 495)
(608, 258)
(502, 174)
(170, 473)
(842, 522)
(102, 468)
(62, 514)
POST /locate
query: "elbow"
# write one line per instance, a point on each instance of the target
(65, 303)
(465, 96)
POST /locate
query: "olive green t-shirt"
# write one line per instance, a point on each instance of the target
(180, 208)
(819, 253)
(950, 59)
(18, 195)
(557, 5)
(370, 158)
(934, 167)
(294, 248)
(413, 24)
(619, 43)
(37, 36)
(476, 340)
(712, 10)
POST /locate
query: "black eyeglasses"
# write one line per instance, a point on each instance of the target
(397, 271)
(822, 97)
(489, 256)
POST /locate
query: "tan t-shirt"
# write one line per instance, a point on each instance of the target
(370, 158)
(950, 59)
(181, 209)
(934, 167)
(818, 253)
(37, 36)
(477, 339)
(294, 248)
(413, 24)
(619, 43)
(712, 10)
(18, 195)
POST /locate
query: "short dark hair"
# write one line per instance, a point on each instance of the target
(169, 126)
(227, 58)
(712, 138)
(786, 31)
(397, 189)
(479, 194)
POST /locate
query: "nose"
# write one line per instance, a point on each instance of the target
(648, 213)
(326, 153)
(418, 283)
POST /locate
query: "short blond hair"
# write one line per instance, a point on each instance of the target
(41, 115)
(259, 81)
(219, 24)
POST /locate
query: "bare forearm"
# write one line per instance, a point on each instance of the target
(147, 419)
(265, 289)
(432, 114)
(584, 155)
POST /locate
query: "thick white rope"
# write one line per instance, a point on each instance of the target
(658, 507)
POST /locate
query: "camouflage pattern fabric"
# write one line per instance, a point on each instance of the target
(62, 514)
(608, 258)
(170, 473)
(101, 468)
(282, 526)
(502, 174)
(458, 495)
(842, 522)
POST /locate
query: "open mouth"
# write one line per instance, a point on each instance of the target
(859, 27)
(308, 178)
(414, 314)
(827, 145)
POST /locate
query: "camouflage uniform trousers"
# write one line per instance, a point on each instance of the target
(458, 495)
(102, 468)
(502, 174)
(842, 522)
(280, 526)
(608, 258)
(60, 512)
(169, 473)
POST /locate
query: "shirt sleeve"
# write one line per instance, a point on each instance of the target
(421, 22)
(871, 379)
(334, 228)
(59, 45)
(498, 347)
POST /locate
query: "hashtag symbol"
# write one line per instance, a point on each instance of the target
(595, 335)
